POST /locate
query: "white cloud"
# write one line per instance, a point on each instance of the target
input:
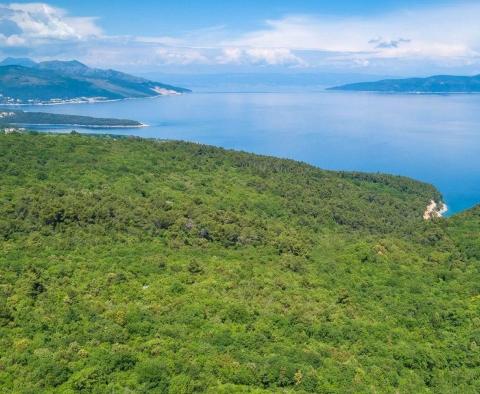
(435, 37)
(260, 56)
(35, 24)
(131, 53)
(11, 41)
(182, 56)
(436, 33)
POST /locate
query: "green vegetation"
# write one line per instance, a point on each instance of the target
(435, 84)
(16, 117)
(129, 265)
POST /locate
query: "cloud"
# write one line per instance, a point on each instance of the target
(442, 36)
(348, 35)
(181, 56)
(35, 24)
(379, 43)
(260, 56)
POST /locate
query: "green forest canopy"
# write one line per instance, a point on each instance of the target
(130, 265)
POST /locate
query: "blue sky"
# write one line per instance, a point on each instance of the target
(141, 17)
(389, 37)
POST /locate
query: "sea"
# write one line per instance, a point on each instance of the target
(432, 138)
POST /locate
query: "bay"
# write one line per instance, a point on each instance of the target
(431, 138)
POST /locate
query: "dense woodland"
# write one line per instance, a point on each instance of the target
(16, 117)
(144, 266)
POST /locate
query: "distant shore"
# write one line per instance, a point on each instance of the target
(89, 126)
(81, 100)
(46, 119)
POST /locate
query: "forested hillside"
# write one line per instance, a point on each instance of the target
(22, 81)
(435, 84)
(16, 117)
(129, 265)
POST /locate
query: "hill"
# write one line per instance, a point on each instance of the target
(435, 84)
(160, 266)
(71, 81)
(20, 61)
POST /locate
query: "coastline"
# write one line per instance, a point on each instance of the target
(138, 126)
(87, 101)
(396, 92)
(435, 210)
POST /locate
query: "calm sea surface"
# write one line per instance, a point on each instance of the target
(431, 138)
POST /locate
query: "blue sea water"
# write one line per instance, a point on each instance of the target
(431, 138)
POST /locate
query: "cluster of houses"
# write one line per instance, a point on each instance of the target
(9, 100)
(11, 130)
(6, 114)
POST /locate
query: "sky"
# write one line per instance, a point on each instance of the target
(352, 36)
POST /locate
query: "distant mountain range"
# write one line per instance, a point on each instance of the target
(23, 81)
(435, 84)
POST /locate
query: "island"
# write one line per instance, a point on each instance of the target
(9, 117)
(23, 81)
(436, 84)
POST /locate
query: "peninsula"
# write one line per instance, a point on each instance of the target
(23, 81)
(439, 84)
(10, 117)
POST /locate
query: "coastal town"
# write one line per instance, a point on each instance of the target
(11, 130)
(7, 129)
